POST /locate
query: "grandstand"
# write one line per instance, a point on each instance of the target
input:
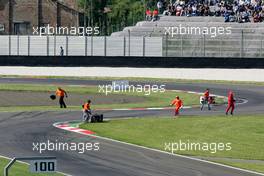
(245, 40)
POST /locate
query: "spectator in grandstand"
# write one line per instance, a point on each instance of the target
(261, 14)
(168, 11)
(256, 17)
(160, 7)
(148, 15)
(217, 10)
(179, 10)
(243, 17)
(188, 11)
(229, 17)
(194, 10)
(61, 51)
(155, 15)
(232, 17)
(257, 14)
(206, 10)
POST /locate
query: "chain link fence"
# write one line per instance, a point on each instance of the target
(237, 45)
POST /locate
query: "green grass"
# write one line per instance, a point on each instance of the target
(19, 169)
(245, 133)
(140, 79)
(258, 167)
(152, 100)
(48, 88)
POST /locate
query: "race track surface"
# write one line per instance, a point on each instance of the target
(19, 130)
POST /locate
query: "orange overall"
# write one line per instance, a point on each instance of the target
(178, 105)
(61, 93)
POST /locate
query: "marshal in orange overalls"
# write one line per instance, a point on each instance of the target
(87, 111)
(177, 102)
(61, 93)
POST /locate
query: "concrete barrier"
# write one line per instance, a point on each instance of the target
(165, 73)
(152, 62)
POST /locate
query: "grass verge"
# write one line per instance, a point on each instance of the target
(258, 167)
(245, 133)
(140, 79)
(20, 169)
(153, 100)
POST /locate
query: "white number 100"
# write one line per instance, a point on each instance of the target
(44, 166)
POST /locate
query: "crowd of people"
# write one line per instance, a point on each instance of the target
(238, 11)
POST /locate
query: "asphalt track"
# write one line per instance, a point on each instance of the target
(19, 130)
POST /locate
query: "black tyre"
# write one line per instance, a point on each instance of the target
(53, 97)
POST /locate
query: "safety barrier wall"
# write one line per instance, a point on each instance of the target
(121, 61)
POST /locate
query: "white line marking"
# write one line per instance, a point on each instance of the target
(244, 101)
(121, 109)
(168, 153)
(182, 156)
(155, 108)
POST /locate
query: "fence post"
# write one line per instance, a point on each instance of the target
(47, 45)
(242, 44)
(261, 45)
(28, 45)
(221, 45)
(181, 46)
(9, 45)
(204, 45)
(18, 44)
(85, 49)
(124, 45)
(105, 44)
(55, 43)
(91, 45)
(144, 47)
(166, 44)
(67, 45)
(129, 44)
